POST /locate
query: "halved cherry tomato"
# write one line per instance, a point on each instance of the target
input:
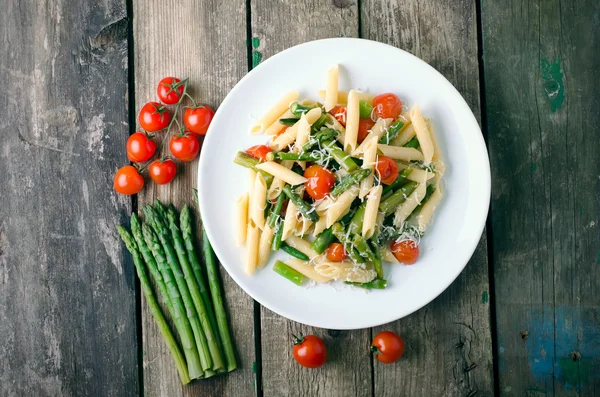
(170, 90)
(387, 106)
(198, 118)
(406, 251)
(387, 170)
(140, 147)
(310, 351)
(154, 117)
(339, 112)
(259, 151)
(184, 147)
(162, 171)
(388, 347)
(336, 252)
(320, 181)
(364, 126)
(128, 180)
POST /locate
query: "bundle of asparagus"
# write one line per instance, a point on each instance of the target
(164, 245)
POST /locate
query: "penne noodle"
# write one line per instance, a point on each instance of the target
(352, 119)
(422, 133)
(278, 184)
(281, 172)
(343, 96)
(285, 139)
(241, 221)
(273, 114)
(264, 246)
(320, 225)
(341, 206)
(303, 226)
(371, 212)
(331, 94)
(307, 270)
(336, 125)
(404, 210)
(277, 126)
(346, 271)
(301, 245)
(251, 248)
(417, 174)
(440, 167)
(369, 161)
(290, 221)
(377, 132)
(406, 134)
(426, 213)
(400, 153)
(303, 133)
(258, 202)
(387, 256)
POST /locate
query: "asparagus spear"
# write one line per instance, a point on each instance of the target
(338, 231)
(356, 223)
(388, 206)
(171, 258)
(298, 109)
(211, 337)
(245, 160)
(306, 209)
(276, 244)
(160, 209)
(289, 121)
(392, 131)
(378, 283)
(323, 241)
(349, 180)
(321, 136)
(271, 156)
(414, 143)
(294, 252)
(319, 123)
(291, 274)
(389, 189)
(339, 155)
(276, 210)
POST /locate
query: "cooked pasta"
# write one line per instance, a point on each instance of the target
(331, 94)
(241, 221)
(274, 113)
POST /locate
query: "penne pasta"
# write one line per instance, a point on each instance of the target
(301, 245)
(252, 240)
(426, 213)
(241, 219)
(304, 124)
(377, 132)
(387, 256)
(404, 210)
(258, 202)
(281, 172)
(307, 270)
(320, 225)
(331, 94)
(406, 134)
(290, 221)
(400, 153)
(343, 96)
(277, 184)
(345, 271)
(371, 212)
(369, 162)
(332, 122)
(438, 159)
(352, 119)
(273, 114)
(285, 139)
(422, 133)
(264, 246)
(277, 126)
(341, 206)
(417, 174)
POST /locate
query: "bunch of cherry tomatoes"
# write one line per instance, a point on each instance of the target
(311, 352)
(156, 117)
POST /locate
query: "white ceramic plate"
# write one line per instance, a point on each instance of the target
(457, 225)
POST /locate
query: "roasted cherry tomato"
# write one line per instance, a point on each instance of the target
(364, 126)
(170, 90)
(128, 180)
(388, 347)
(336, 252)
(387, 170)
(310, 351)
(259, 151)
(184, 147)
(339, 112)
(320, 181)
(162, 171)
(387, 106)
(154, 117)
(140, 147)
(406, 251)
(198, 118)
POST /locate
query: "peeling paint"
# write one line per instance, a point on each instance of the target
(553, 84)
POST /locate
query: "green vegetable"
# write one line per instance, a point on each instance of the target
(388, 206)
(389, 189)
(391, 132)
(414, 143)
(338, 231)
(271, 156)
(363, 248)
(291, 274)
(276, 244)
(306, 209)
(323, 241)
(293, 251)
(365, 109)
(378, 283)
(165, 331)
(316, 126)
(298, 109)
(288, 122)
(342, 158)
(245, 160)
(320, 137)
(160, 209)
(377, 262)
(350, 180)
(276, 210)
(428, 193)
(356, 223)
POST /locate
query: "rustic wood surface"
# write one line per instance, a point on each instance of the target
(72, 319)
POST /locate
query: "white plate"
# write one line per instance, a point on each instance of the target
(376, 68)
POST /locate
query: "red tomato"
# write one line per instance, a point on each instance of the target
(140, 147)
(162, 171)
(281, 131)
(388, 347)
(197, 119)
(406, 251)
(336, 252)
(387, 170)
(387, 106)
(310, 351)
(184, 147)
(259, 151)
(128, 180)
(170, 90)
(154, 117)
(320, 181)
(339, 112)
(364, 126)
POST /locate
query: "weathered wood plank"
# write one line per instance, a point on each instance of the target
(275, 27)
(204, 41)
(62, 267)
(541, 80)
(451, 334)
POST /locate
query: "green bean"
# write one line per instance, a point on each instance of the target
(306, 209)
(392, 131)
(389, 189)
(378, 283)
(323, 241)
(349, 180)
(343, 158)
(291, 274)
(293, 251)
(388, 206)
(365, 109)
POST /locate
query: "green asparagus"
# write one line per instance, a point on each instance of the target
(291, 274)
(341, 157)
(338, 231)
(293, 251)
(356, 223)
(388, 206)
(391, 188)
(298, 110)
(413, 143)
(276, 244)
(378, 283)
(289, 121)
(323, 241)
(349, 181)
(365, 109)
(276, 210)
(245, 160)
(320, 137)
(305, 209)
(392, 131)
(272, 156)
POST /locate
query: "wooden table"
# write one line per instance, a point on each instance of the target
(523, 318)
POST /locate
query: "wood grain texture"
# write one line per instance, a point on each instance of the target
(63, 270)
(204, 41)
(449, 349)
(275, 27)
(541, 78)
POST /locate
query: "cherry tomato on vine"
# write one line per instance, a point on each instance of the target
(259, 152)
(364, 126)
(320, 181)
(184, 147)
(310, 351)
(140, 147)
(162, 171)
(406, 251)
(387, 106)
(198, 118)
(154, 117)
(339, 112)
(336, 252)
(387, 170)
(170, 90)
(128, 180)
(388, 347)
